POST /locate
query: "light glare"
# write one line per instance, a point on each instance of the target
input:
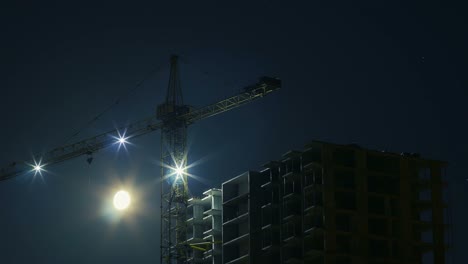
(121, 200)
(121, 140)
(37, 168)
(179, 171)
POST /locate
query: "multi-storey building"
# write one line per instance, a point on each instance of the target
(336, 204)
(204, 228)
(241, 219)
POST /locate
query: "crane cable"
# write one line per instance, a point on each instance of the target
(129, 91)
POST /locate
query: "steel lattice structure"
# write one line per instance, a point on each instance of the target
(174, 185)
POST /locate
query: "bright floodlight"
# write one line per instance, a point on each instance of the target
(122, 140)
(38, 168)
(179, 171)
(121, 200)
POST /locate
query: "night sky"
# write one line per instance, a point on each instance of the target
(386, 76)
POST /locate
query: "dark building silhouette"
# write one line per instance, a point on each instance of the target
(336, 204)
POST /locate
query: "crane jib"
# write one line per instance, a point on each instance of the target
(91, 145)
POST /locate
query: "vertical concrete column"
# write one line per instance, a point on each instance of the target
(437, 214)
(406, 228)
(362, 205)
(329, 205)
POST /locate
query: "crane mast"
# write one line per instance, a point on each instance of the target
(174, 185)
(172, 118)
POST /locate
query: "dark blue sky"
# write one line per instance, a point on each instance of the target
(382, 75)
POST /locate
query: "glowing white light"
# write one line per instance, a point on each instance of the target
(179, 171)
(122, 140)
(121, 200)
(37, 168)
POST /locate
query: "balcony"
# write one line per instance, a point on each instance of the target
(291, 210)
(236, 199)
(313, 187)
(194, 240)
(208, 219)
(292, 175)
(213, 252)
(313, 209)
(313, 231)
(212, 212)
(237, 219)
(292, 241)
(269, 249)
(192, 221)
(238, 239)
(291, 196)
(211, 232)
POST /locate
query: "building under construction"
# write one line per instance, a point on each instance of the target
(204, 232)
(332, 204)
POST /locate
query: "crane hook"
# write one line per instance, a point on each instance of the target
(90, 157)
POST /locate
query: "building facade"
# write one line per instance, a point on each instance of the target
(204, 228)
(336, 204)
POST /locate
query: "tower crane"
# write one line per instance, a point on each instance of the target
(172, 118)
